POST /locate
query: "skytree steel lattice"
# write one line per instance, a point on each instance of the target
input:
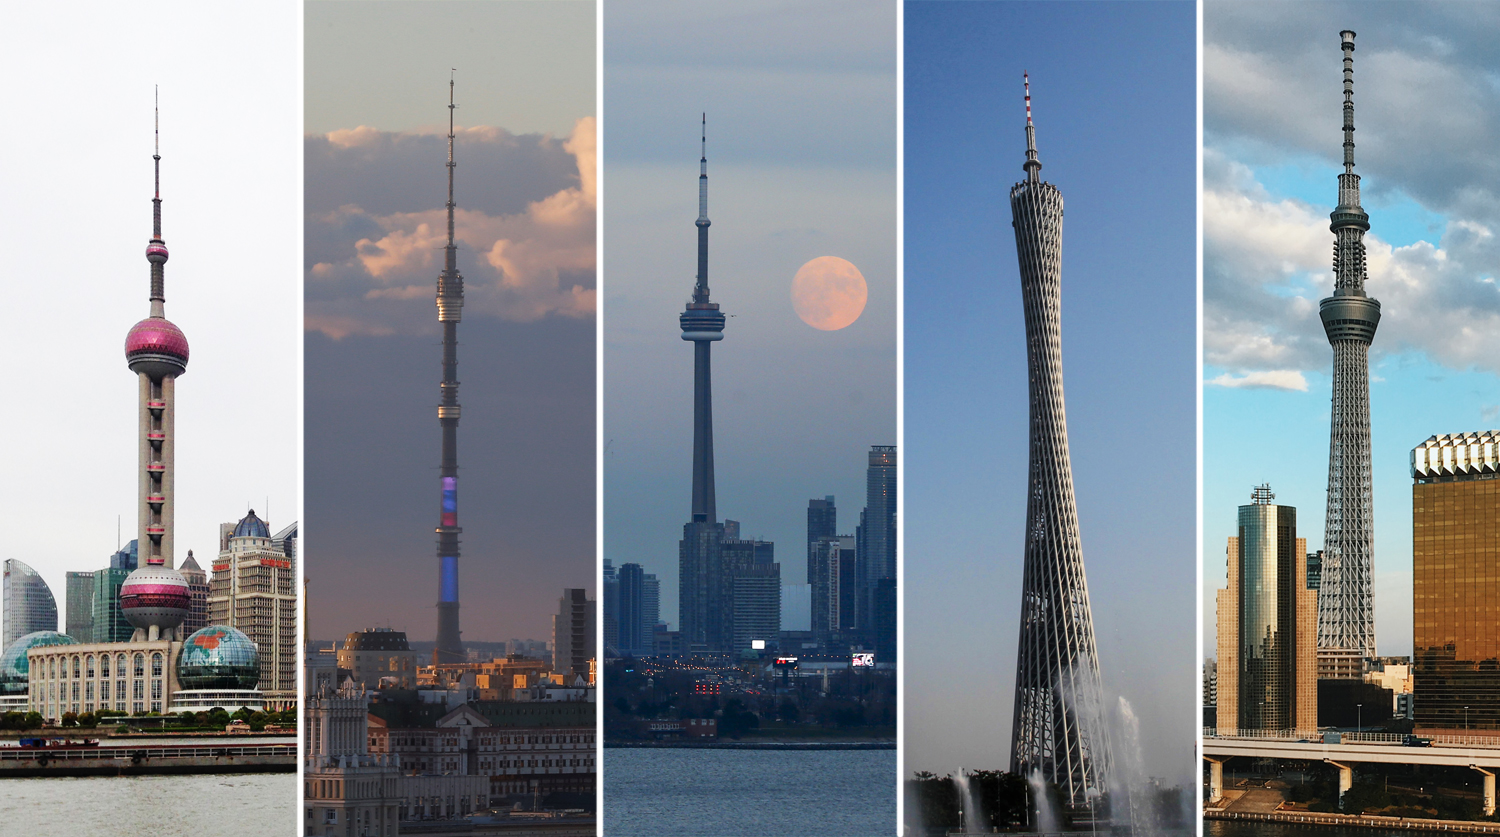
(1346, 615)
(1057, 729)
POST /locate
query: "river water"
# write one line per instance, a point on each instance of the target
(223, 805)
(680, 792)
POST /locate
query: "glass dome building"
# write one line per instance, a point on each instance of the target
(218, 657)
(15, 669)
(218, 667)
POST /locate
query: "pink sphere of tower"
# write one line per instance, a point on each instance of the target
(155, 596)
(156, 347)
(156, 252)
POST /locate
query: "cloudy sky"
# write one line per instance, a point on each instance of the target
(77, 218)
(376, 98)
(1113, 101)
(1427, 118)
(801, 164)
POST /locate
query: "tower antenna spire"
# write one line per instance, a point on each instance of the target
(1032, 164)
(700, 292)
(452, 257)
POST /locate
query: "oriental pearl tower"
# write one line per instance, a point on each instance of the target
(155, 598)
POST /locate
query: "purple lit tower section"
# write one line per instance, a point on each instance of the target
(155, 598)
(450, 305)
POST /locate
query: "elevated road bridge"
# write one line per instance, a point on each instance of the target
(1480, 755)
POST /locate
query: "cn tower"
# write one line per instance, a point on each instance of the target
(700, 597)
(1346, 607)
(450, 305)
(1057, 728)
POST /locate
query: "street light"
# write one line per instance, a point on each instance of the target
(1359, 725)
(1466, 719)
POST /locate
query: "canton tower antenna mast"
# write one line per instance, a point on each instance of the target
(1346, 613)
(450, 304)
(702, 323)
(1057, 730)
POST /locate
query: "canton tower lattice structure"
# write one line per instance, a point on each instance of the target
(700, 598)
(1057, 729)
(450, 305)
(1346, 613)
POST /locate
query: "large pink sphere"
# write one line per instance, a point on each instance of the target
(155, 595)
(157, 347)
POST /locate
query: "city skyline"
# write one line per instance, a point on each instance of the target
(802, 151)
(375, 199)
(229, 161)
(1271, 161)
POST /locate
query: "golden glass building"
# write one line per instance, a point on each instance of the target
(1456, 581)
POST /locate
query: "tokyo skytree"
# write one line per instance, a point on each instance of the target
(1346, 614)
(1057, 729)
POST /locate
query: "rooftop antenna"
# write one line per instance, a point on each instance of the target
(1032, 164)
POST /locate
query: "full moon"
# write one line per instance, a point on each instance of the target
(829, 293)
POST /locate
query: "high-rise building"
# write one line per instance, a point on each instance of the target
(80, 612)
(650, 611)
(1455, 502)
(197, 581)
(630, 617)
(285, 540)
(26, 601)
(1346, 599)
(884, 625)
(573, 633)
(701, 585)
(823, 568)
(1057, 728)
(1267, 624)
(450, 305)
(822, 522)
(879, 519)
(109, 623)
(254, 590)
(611, 609)
(755, 590)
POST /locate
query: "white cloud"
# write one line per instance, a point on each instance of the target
(1274, 379)
(521, 266)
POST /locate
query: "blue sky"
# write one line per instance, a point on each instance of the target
(1113, 101)
(1427, 109)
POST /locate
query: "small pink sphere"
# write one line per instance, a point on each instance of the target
(156, 252)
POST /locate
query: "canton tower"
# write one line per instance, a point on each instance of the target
(155, 598)
(700, 577)
(1346, 613)
(1057, 729)
(450, 305)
